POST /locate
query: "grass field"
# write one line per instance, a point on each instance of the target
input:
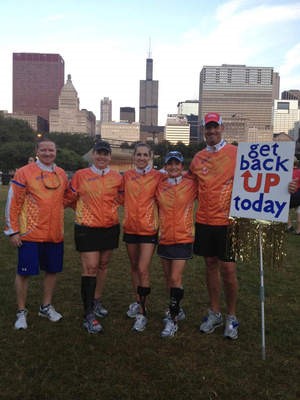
(62, 362)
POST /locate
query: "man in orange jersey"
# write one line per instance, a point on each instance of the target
(214, 167)
(34, 224)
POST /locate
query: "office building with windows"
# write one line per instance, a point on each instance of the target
(127, 114)
(243, 93)
(190, 108)
(286, 118)
(37, 82)
(177, 129)
(293, 94)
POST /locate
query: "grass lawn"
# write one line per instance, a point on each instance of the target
(62, 362)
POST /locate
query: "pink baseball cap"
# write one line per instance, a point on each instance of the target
(212, 117)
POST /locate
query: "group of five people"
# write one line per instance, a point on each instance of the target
(158, 210)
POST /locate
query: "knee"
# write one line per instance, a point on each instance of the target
(175, 281)
(103, 266)
(89, 270)
(212, 262)
(229, 274)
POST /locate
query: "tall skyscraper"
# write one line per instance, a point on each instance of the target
(106, 110)
(149, 97)
(37, 82)
(240, 93)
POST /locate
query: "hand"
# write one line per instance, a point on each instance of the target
(15, 240)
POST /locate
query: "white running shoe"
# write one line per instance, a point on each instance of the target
(21, 322)
(231, 327)
(133, 310)
(170, 329)
(99, 309)
(180, 317)
(140, 323)
(211, 322)
(92, 325)
(50, 313)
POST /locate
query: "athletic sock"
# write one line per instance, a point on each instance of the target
(88, 286)
(143, 292)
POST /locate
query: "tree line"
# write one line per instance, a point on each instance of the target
(18, 141)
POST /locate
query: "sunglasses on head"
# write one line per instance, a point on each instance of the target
(50, 180)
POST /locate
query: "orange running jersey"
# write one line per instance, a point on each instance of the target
(35, 202)
(176, 210)
(140, 209)
(215, 173)
(97, 197)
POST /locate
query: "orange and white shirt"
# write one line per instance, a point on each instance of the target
(214, 169)
(175, 198)
(35, 203)
(140, 209)
(97, 196)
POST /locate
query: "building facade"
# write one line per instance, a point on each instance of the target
(286, 118)
(120, 132)
(190, 108)
(127, 114)
(68, 117)
(293, 94)
(106, 110)
(177, 129)
(37, 82)
(248, 92)
(36, 122)
(148, 97)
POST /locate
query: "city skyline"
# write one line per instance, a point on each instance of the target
(105, 46)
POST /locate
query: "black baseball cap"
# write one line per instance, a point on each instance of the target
(102, 145)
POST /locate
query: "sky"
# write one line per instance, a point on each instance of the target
(105, 44)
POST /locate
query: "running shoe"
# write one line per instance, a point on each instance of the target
(133, 310)
(231, 327)
(21, 322)
(92, 325)
(211, 321)
(99, 309)
(170, 329)
(180, 317)
(140, 323)
(50, 313)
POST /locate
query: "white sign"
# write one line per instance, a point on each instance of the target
(262, 174)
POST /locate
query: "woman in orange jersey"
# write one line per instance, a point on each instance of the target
(175, 195)
(96, 191)
(140, 228)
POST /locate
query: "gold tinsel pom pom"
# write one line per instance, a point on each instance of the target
(245, 241)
